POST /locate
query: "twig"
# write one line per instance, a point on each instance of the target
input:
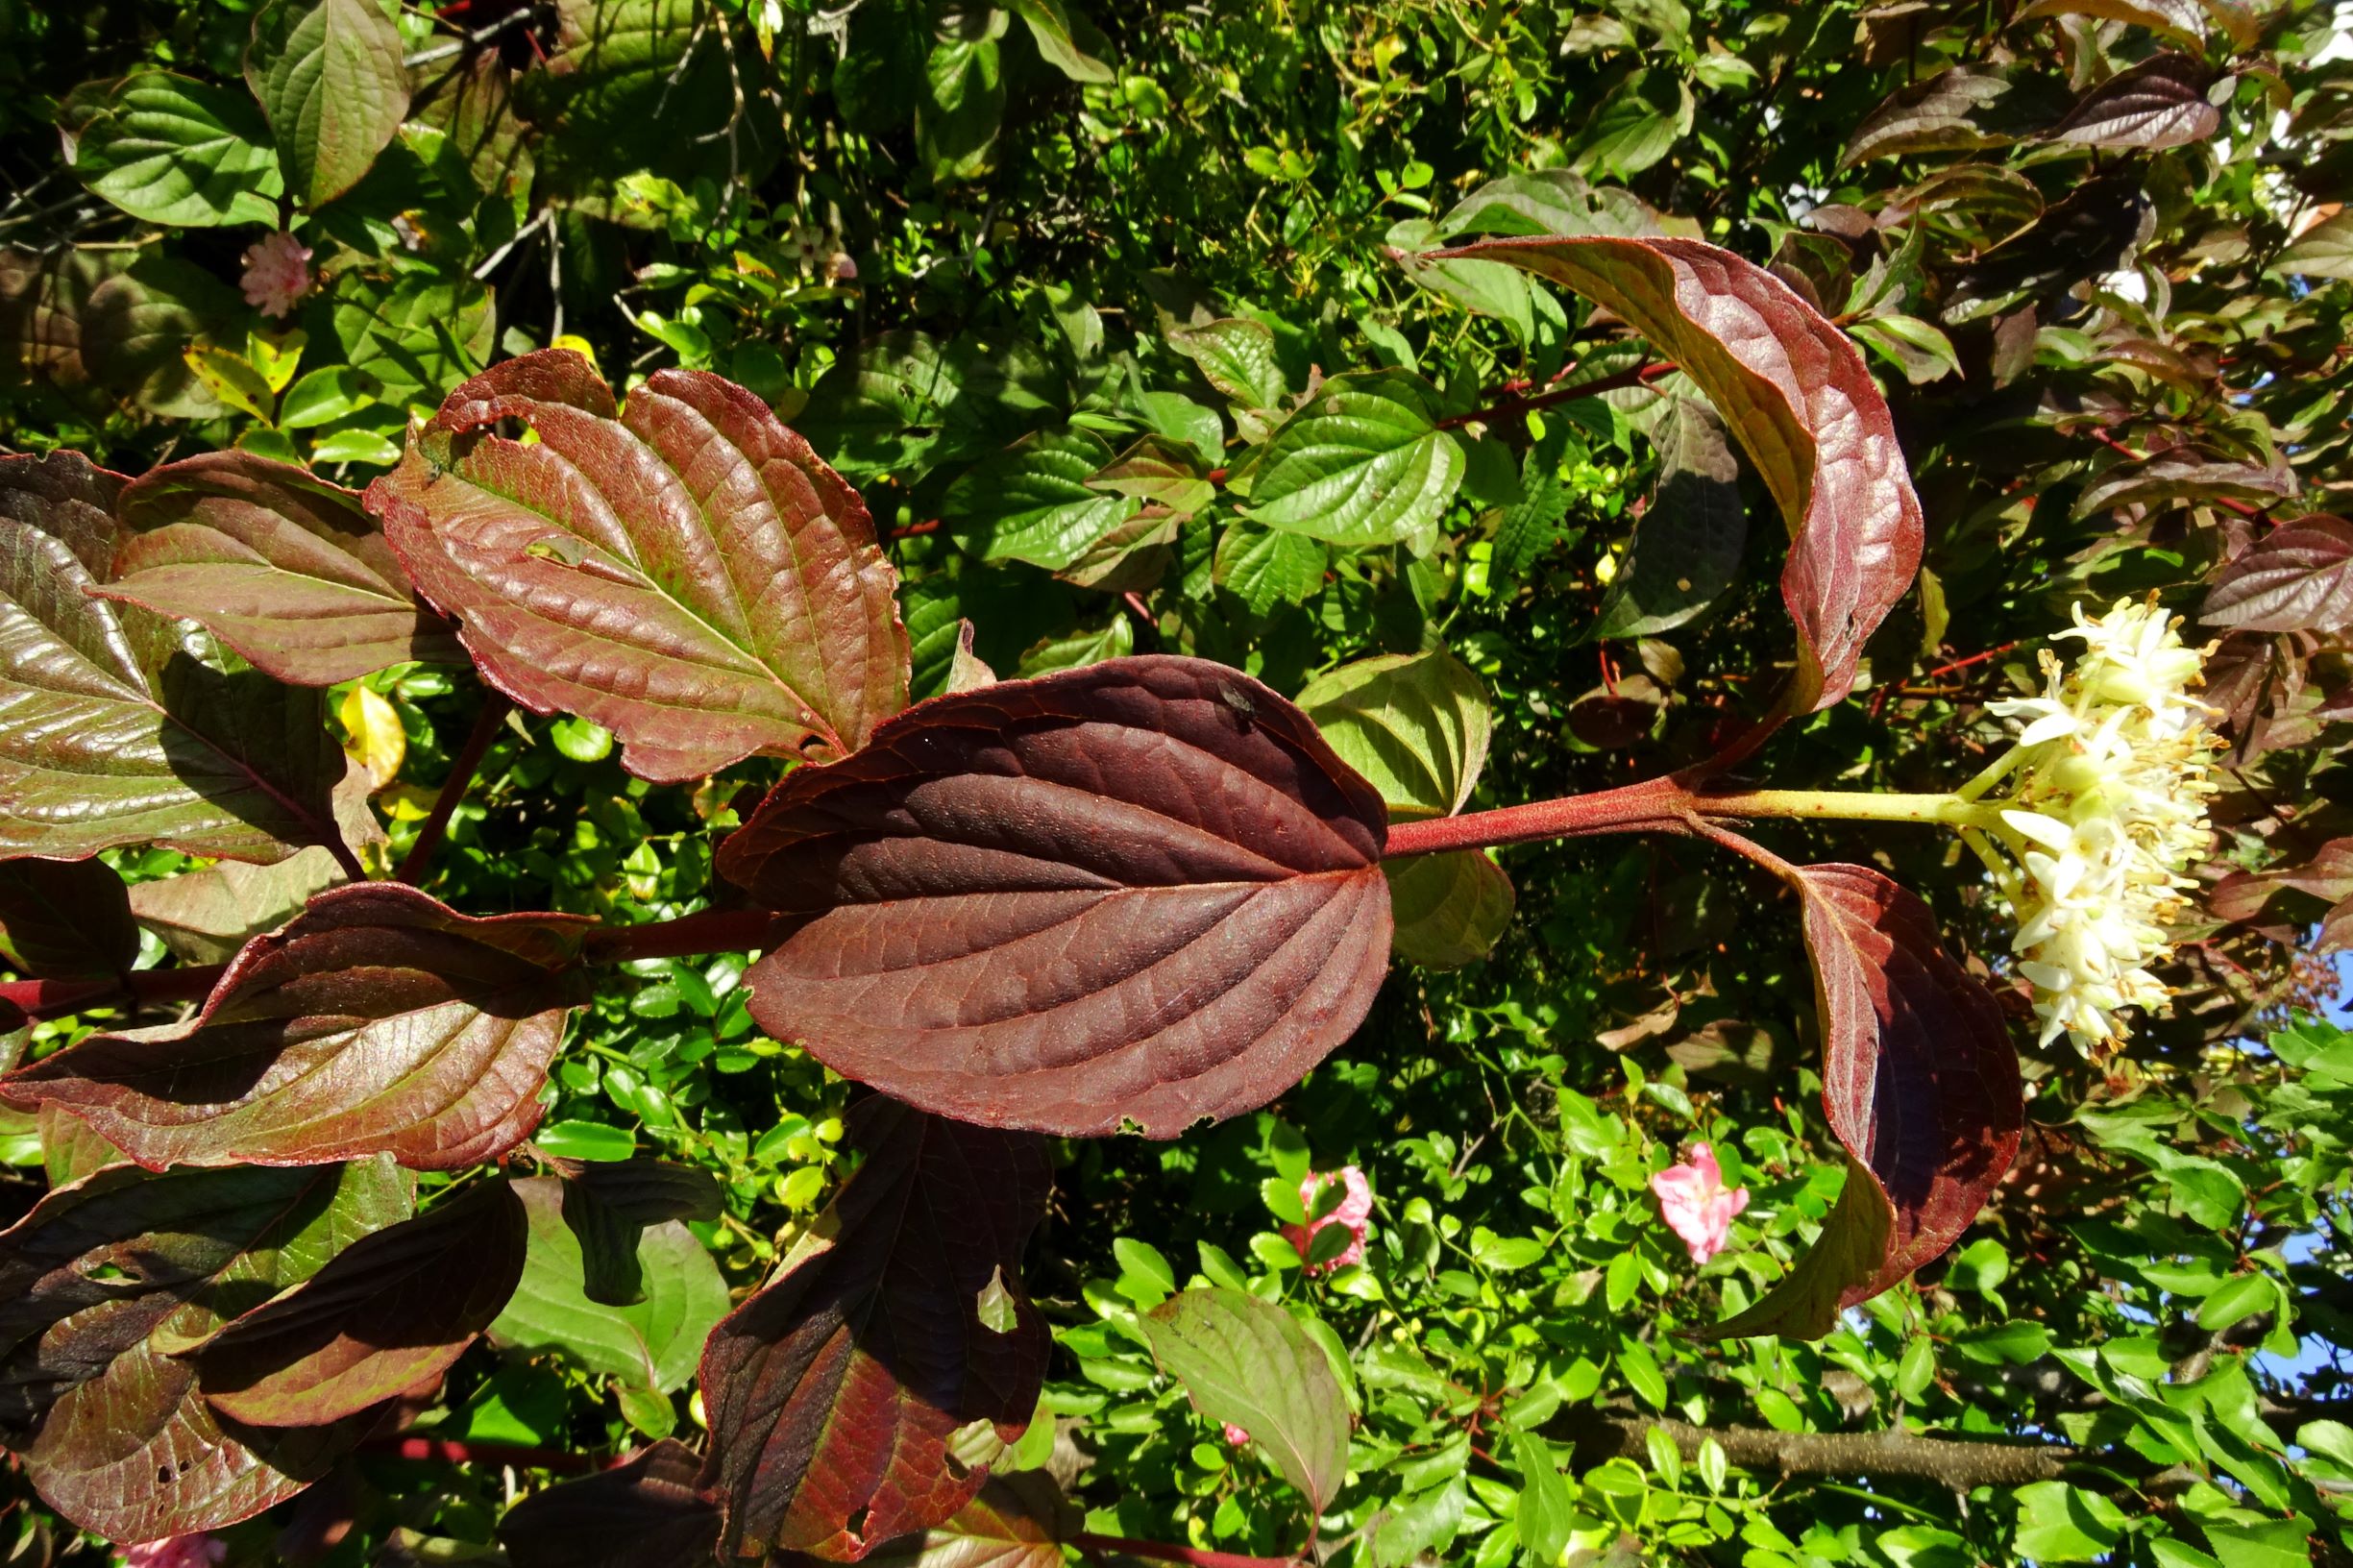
(496, 706)
(1508, 408)
(1162, 1552)
(448, 1452)
(546, 216)
(480, 34)
(1895, 1456)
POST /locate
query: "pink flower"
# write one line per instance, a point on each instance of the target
(1696, 1204)
(180, 1552)
(276, 274)
(1353, 1211)
(1235, 1435)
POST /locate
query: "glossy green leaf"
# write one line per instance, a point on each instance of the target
(653, 1343)
(1362, 462)
(170, 149)
(1032, 503)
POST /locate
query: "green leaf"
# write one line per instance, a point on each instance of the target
(1362, 463)
(1247, 1363)
(1636, 125)
(2325, 250)
(1450, 909)
(168, 149)
(2242, 1296)
(1050, 25)
(962, 106)
(1032, 502)
(654, 1343)
(1488, 287)
(2059, 1522)
(1114, 639)
(329, 75)
(2273, 1544)
(1264, 567)
(1914, 347)
(1686, 549)
(417, 338)
(1416, 726)
(1642, 1374)
(1547, 1510)
(1237, 356)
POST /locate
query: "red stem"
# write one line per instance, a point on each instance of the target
(914, 528)
(1662, 805)
(1507, 407)
(1164, 1552)
(444, 1450)
(48, 998)
(496, 705)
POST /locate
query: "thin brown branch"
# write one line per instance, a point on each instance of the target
(496, 706)
(1877, 1455)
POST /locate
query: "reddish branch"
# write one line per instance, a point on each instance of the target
(495, 709)
(1508, 407)
(711, 931)
(1654, 805)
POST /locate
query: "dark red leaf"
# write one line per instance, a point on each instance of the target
(1141, 892)
(389, 1312)
(108, 1275)
(1958, 110)
(2184, 473)
(833, 1392)
(689, 575)
(1015, 1521)
(649, 1512)
(1920, 1083)
(66, 919)
(1796, 392)
(2161, 102)
(116, 725)
(376, 1020)
(2298, 577)
(280, 565)
(2328, 875)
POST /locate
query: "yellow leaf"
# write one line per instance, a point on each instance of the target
(580, 345)
(377, 743)
(231, 378)
(407, 802)
(277, 355)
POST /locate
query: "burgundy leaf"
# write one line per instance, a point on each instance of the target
(2184, 473)
(834, 1391)
(1795, 390)
(1920, 1083)
(108, 1274)
(687, 574)
(117, 726)
(66, 919)
(649, 1512)
(391, 1311)
(280, 565)
(2159, 103)
(2328, 875)
(1958, 110)
(376, 1020)
(2298, 577)
(1141, 892)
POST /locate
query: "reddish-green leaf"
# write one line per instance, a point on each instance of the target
(375, 1021)
(389, 1312)
(1796, 392)
(329, 75)
(649, 1512)
(834, 1391)
(1248, 1363)
(1144, 892)
(1920, 1083)
(114, 726)
(1015, 1521)
(62, 919)
(282, 566)
(1956, 111)
(2184, 473)
(2298, 577)
(109, 1275)
(687, 574)
(2161, 102)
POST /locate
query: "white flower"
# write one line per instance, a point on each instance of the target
(2109, 814)
(277, 273)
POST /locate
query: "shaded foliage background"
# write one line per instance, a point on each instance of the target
(974, 254)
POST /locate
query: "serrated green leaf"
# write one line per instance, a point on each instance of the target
(1362, 462)
(329, 75)
(170, 149)
(1245, 1361)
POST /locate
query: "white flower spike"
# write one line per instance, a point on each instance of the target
(2114, 761)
